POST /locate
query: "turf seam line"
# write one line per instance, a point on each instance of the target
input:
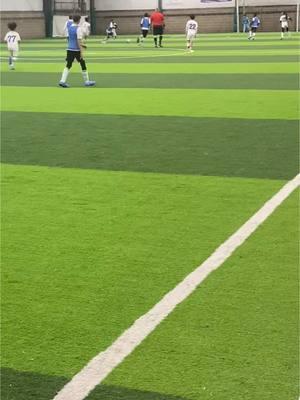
(105, 362)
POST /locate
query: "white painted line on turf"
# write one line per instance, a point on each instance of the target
(104, 363)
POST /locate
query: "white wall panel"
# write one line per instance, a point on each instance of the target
(21, 5)
(282, 3)
(125, 4)
(180, 4)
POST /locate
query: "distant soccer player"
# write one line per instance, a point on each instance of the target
(158, 23)
(12, 38)
(254, 25)
(284, 22)
(68, 23)
(74, 51)
(145, 27)
(86, 28)
(111, 31)
(245, 23)
(191, 30)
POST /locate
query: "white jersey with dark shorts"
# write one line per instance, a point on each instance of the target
(191, 29)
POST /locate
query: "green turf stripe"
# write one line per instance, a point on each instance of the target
(256, 148)
(77, 243)
(160, 52)
(236, 337)
(198, 45)
(174, 68)
(189, 81)
(256, 104)
(188, 59)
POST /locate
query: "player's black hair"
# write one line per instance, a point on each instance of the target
(192, 16)
(76, 18)
(86, 19)
(146, 15)
(70, 16)
(12, 26)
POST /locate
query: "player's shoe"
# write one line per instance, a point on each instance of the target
(11, 67)
(89, 83)
(63, 84)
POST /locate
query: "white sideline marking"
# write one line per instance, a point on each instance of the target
(104, 363)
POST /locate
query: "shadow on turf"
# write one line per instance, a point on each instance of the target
(178, 145)
(17, 385)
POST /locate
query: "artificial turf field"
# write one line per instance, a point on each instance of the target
(112, 195)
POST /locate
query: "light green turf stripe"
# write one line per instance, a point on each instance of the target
(201, 41)
(252, 104)
(174, 68)
(102, 52)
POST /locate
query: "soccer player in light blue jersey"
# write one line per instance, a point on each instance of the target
(254, 25)
(75, 51)
(145, 27)
(67, 25)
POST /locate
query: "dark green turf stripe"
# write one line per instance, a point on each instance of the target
(198, 46)
(188, 59)
(179, 81)
(17, 385)
(200, 146)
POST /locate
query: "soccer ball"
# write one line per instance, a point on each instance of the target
(128, 40)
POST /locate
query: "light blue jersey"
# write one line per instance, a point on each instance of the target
(145, 23)
(74, 34)
(255, 22)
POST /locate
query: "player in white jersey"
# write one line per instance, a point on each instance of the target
(12, 38)
(284, 22)
(191, 30)
(86, 28)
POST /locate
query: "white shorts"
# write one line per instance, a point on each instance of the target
(284, 24)
(14, 50)
(190, 35)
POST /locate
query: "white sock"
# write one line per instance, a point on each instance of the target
(65, 74)
(85, 75)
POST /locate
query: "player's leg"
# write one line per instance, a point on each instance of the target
(282, 33)
(253, 33)
(144, 34)
(161, 32)
(14, 57)
(70, 58)
(10, 59)
(85, 73)
(155, 34)
(191, 43)
(187, 43)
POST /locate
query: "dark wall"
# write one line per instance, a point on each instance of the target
(30, 24)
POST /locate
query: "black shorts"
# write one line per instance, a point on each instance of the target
(145, 32)
(158, 30)
(254, 29)
(72, 55)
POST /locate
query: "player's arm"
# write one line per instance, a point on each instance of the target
(81, 45)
